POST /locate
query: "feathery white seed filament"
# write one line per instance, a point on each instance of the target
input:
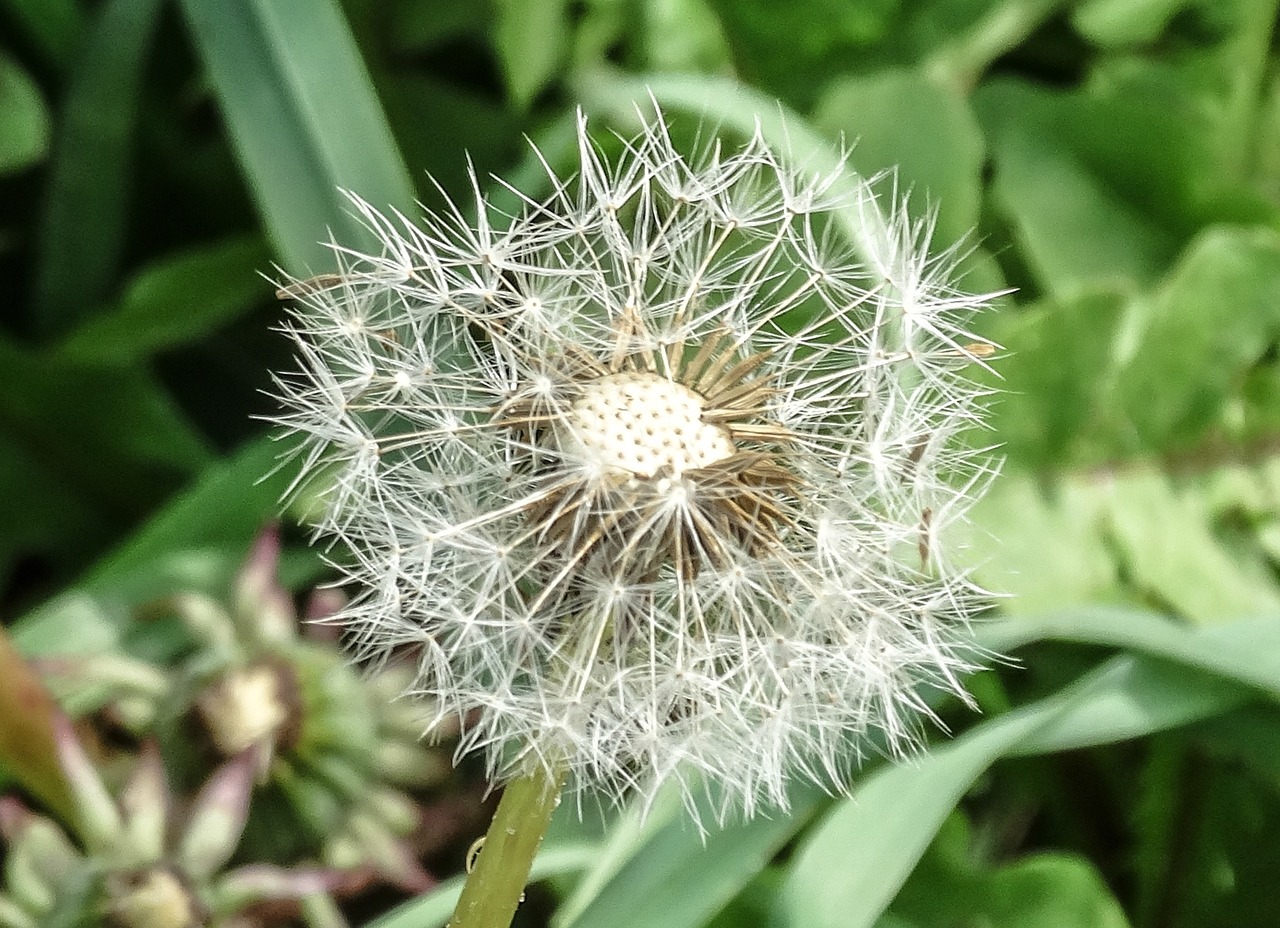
(655, 476)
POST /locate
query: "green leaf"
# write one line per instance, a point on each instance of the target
(225, 508)
(1049, 891)
(851, 866)
(1043, 545)
(1058, 368)
(900, 119)
(783, 48)
(1116, 23)
(530, 38)
(304, 119)
(1171, 553)
(82, 230)
(1235, 652)
(953, 886)
(959, 40)
(110, 433)
(1190, 344)
(655, 889)
(195, 542)
(174, 302)
(1143, 698)
(24, 119)
(684, 35)
(1078, 226)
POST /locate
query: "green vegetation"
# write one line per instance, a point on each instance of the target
(1115, 161)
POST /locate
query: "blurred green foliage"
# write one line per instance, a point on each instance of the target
(1116, 161)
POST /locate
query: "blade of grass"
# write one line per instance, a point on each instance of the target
(1233, 656)
(82, 228)
(655, 887)
(304, 119)
(876, 838)
(851, 867)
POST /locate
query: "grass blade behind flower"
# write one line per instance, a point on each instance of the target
(304, 118)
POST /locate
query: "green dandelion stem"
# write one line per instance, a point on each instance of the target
(496, 884)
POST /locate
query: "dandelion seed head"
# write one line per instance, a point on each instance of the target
(651, 474)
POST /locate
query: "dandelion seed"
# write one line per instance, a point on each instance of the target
(640, 471)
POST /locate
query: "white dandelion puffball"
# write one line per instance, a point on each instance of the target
(650, 475)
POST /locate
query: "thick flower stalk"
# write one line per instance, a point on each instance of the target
(652, 473)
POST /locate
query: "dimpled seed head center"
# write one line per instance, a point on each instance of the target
(639, 423)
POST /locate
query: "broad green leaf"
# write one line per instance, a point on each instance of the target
(1148, 696)
(1188, 346)
(893, 813)
(851, 866)
(1209, 77)
(653, 889)
(1114, 23)
(1265, 168)
(195, 542)
(1041, 544)
(1073, 229)
(304, 119)
(899, 119)
(82, 230)
(959, 40)
(627, 835)
(530, 38)
(176, 301)
(1048, 891)
(954, 886)
(780, 48)
(1052, 380)
(1235, 652)
(24, 118)
(684, 35)
(1171, 553)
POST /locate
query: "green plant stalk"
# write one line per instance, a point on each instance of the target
(496, 884)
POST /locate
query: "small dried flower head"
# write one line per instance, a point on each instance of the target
(652, 473)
